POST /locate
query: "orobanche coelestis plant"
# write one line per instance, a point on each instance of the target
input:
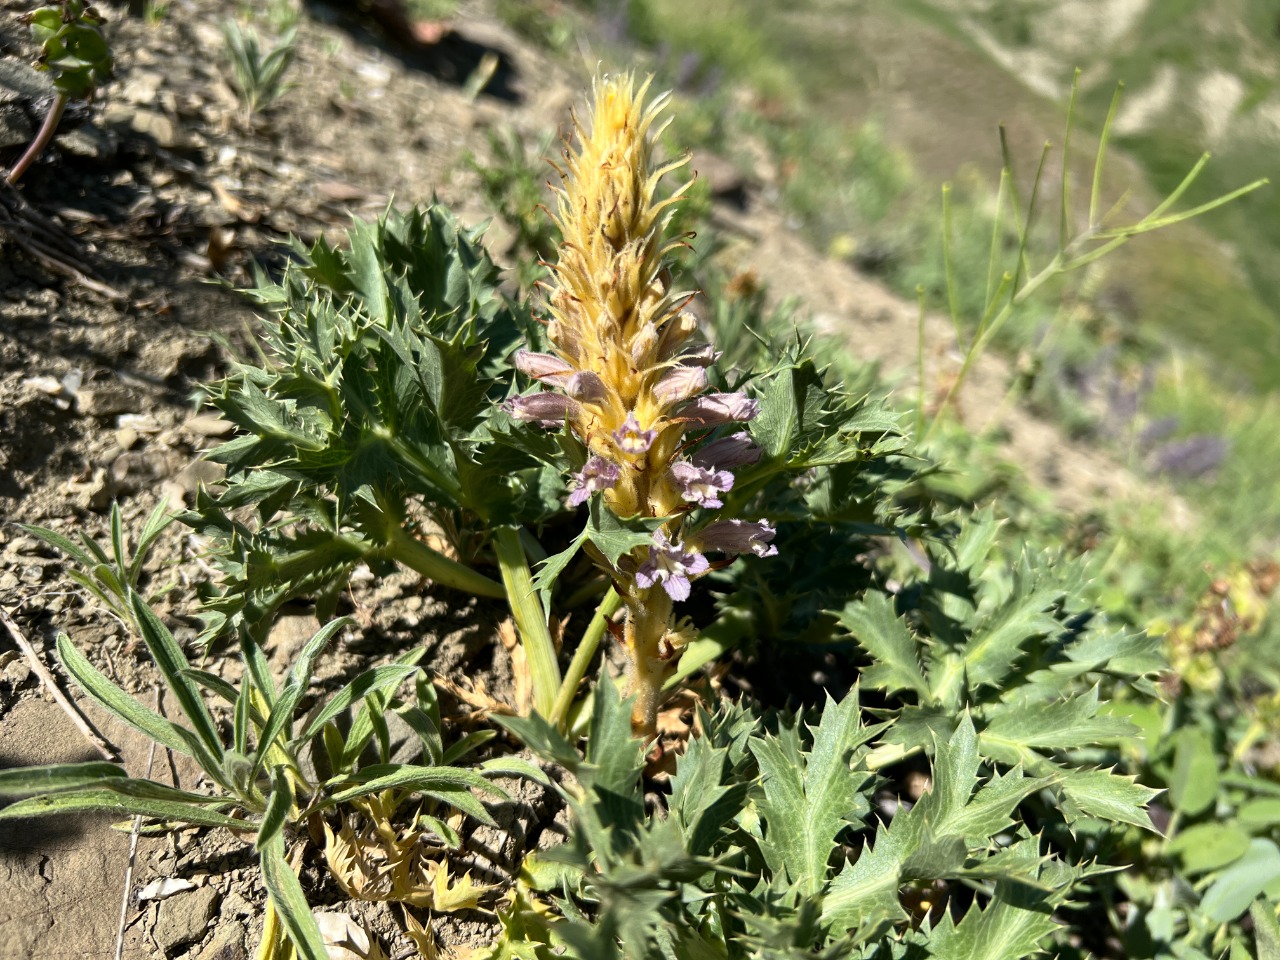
(630, 381)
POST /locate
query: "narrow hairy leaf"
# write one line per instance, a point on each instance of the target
(290, 902)
(280, 718)
(62, 776)
(172, 663)
(110, 801)
(379, 679)
(278, 805)
(116, 701)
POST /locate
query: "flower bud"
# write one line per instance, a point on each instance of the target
(713, 409)
(643, 345)
(736, 536)
(545, 409)
(735, 450)
(587, 387)
(543, 366)
(679, 383)
(674, 333)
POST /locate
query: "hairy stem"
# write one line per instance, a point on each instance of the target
(45, 134)
(648, 618)
(531, 621)
(582, 657)
(416, 555)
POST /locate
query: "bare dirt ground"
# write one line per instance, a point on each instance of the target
(172, 199)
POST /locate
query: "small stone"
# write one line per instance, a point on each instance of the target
(17, 673)
(227, 943)
(106, 400)
(126, 437)
(91, 143)
(234, 905)
(157, 126)
(208, 425)
(184, 919)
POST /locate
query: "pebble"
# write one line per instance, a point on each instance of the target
(227, 943)
(183, 919)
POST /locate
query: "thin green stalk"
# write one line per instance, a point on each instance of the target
(531, 621)
(609, 605)
(416, 555)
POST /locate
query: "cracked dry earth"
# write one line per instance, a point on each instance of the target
(172, 200)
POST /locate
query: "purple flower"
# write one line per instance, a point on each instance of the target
(544, 367)
(680, 383)
(700, 485)
(671, 565)
(587, 387)
(737, 536)
(735, 450)
(545, 409)
(631, 439)
(714, 409)
(596, 475)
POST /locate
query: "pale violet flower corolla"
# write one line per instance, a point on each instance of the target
(596, 474)
(546, 409)
(713, 409)
(736, 536)
(670, 564)
(680, 383)
(631, 439)
(543, 366)
(735, 450)
(700, 356)
(701, 485)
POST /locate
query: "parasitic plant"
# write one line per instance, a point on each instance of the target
(631, 382)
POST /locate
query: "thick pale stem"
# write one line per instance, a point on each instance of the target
(531, 621)
(648, 619)
(416, 555)
(582, 657)
(42, 139)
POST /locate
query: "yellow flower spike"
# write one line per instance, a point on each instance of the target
(628, 384)
(611, 305)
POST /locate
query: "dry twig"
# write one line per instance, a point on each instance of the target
(47, 678)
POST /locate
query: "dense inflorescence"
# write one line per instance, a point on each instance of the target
(629, 379)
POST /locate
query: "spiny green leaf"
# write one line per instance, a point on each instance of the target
(891, 645)
(807, 804)
(1017, 730)
(1107, 796)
